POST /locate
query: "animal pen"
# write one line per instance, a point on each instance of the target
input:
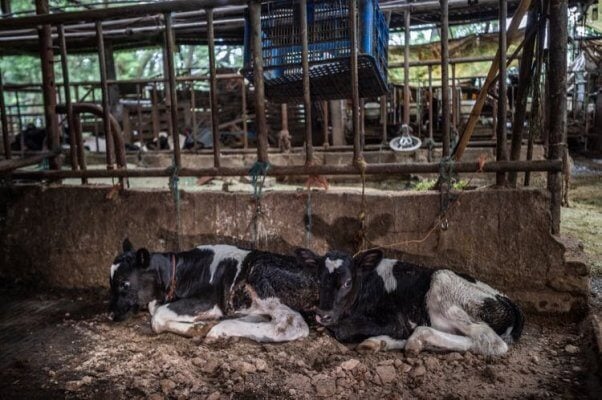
(64, 236)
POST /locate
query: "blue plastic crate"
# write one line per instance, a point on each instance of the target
(329, 50)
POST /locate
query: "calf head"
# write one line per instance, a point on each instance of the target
(126, 281)
(340, 277)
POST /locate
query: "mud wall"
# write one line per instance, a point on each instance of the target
(68, 236)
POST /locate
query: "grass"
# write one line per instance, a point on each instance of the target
(583, 219)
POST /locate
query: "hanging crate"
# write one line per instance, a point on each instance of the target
(329, 50)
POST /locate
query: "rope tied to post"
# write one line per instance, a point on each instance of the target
(258, 173)
(173, 184)
(446, 171)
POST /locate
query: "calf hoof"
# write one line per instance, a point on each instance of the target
(413, 348)
(371, 346)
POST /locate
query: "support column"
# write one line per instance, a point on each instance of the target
(406, 70)
(262, 131)
(501, 147)
(49, 84)
(4, 122)
(556, 101)
(445, 106)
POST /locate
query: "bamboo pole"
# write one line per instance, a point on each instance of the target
(511, 34)
(309, 150)
(502, 148)
(172, 89)
(70, 121)
(213, 90)
(260, 118)
(445, 78)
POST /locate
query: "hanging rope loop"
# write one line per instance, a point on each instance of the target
(258, 173)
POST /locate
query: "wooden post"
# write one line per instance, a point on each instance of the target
(70, 122)
(309, 150)
(4, 122)
(556, 102)
(81, 155)
(325, 124)
(355, 96)
(155, 111)
(445, 77)
(245, 134)
(430, 67)
(512, 34)
(110, 148)
(213, 89)
(49, 83)
(383, 118)
(260, 118)
(172, 88)
(522, 92)
(336, 117)
(139, 112)
(406, 69)
(501, 148)
(454, 97)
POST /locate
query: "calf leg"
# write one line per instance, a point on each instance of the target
(186, 317)
(484, 339)
(375, 337)
(427, 338)
(283, 324)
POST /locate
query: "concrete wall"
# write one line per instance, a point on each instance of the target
(68, 236)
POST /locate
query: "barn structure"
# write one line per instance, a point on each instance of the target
(297, 130)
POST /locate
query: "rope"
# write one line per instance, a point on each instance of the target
(175, 193)
(257, 171)
(441, 221)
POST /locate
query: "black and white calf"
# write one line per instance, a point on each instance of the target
(215, 291)
(388, 304)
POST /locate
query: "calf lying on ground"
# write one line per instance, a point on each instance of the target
(390, 304)
(190, 293)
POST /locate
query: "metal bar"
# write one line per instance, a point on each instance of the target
(536, 117)
(406, 69)
(106, 116)
(70, 122)
(213, 89)
(260, 118)
(522, 92)
(370, 169)
(245, 133)
(309, 150)
(355, 96)
(4, 123)
(430, 105)
(81, 155)
(556, 101)
(454, 119)
(326, 143)
(10, 165)
(171, 88)
(48, 81)
(113, 13)
(445, 77)
(502, 149)
(383, 118)
(139, 110)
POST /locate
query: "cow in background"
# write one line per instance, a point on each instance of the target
(215, 291)
(388, 304)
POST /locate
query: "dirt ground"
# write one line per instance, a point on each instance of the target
(62, 345)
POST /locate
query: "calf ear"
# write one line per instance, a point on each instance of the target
(368, 260)
(142, 258)
(307, 257)
(127, 245)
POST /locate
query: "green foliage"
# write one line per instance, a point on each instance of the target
(424, 185)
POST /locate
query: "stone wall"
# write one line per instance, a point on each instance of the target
(68, 236)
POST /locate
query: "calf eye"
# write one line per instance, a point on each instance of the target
(125, 285)
(347, 283)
